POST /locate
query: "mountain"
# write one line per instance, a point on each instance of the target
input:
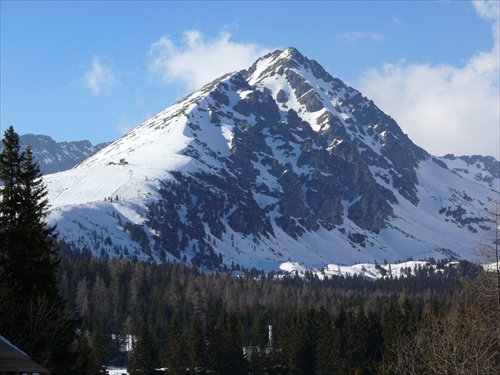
(58, 156)
(275, 164)
(482, 169)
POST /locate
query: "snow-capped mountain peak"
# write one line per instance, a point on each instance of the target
(274, 163)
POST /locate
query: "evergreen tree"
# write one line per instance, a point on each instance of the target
(83, 357)
(325, 361)
(294, 344)
(144, 358)
(10, 204)
(339, 341)
(374, 342)
(357, 344)
(392, 332)
(10, 174)
(197, 350)
(32, 315)
(214, 346)
(28, 256)
(234, 361)
(310, 341)
(260, 341)
(97, 353)
(174, 357)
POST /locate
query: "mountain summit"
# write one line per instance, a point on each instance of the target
(280, 162)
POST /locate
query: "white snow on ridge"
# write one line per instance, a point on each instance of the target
(111, 189)
(476, 172)
(370, 271)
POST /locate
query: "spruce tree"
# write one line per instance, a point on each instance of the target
(174, 353)
(97, 353)
(38, 238)
(27, 251)
(266, 356)
(260, 342)
(197, 351)
(82, 358)
(144, 358)
(234, 361)
(214, 345)
(32, 315)
(325, 361)
(10, 229)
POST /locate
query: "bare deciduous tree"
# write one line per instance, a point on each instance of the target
(489, 255)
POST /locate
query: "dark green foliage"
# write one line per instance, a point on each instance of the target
(174, 358)
(144, 359)
(98, 360)
(232, 338)
(259, 360)
(83, 358)
(297, 353)
(12, 191)
(340, 325)
(28, 256)
(32, 314)
(399, 324)
(326, 358)
(197, 347)
(214, 342)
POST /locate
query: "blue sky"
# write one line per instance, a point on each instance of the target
(94, 70)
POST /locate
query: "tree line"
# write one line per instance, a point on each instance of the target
(185, 321)
(78, 314)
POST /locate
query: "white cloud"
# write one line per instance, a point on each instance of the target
(198, 61)
(444, 108)
(99, 78)
(488, 9)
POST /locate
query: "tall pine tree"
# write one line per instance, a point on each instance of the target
(10, 204)
(174, 357)
(233, 359)
(32, 315)
(214, 346)
(197, 347)
(97, 363)
(144, 358)
(27, 250)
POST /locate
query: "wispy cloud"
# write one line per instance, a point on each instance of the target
(355, 35)
(445, 108)
(396, 21)
(199, 60)
(99, 78)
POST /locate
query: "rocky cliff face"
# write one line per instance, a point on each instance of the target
(482, 169)
(58, 156)
(280, 161)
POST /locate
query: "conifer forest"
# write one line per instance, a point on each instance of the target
(78, 314)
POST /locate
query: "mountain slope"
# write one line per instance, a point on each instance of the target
(279, 162)
(58, 156)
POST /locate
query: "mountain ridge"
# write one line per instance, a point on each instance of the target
(280, 162)
(55, 156)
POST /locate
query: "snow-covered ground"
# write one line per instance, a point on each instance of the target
(91, 202)
(370, 271)
(117, 370)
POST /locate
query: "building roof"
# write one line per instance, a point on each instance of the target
(13, 360)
